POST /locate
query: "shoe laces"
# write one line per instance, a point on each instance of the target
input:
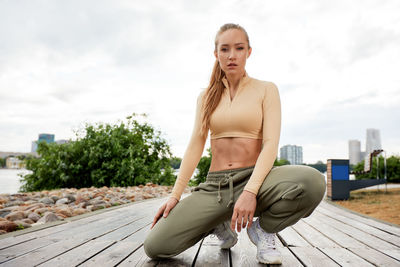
(267, 242)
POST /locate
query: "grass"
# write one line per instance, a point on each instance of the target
(375, 203)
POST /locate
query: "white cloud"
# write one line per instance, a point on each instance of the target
(65, 63)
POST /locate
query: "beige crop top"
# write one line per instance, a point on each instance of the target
(254, 112)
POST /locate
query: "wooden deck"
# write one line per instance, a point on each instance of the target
(331, 236)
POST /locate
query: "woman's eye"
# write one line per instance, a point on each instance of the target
(224, 49)
(240, 48)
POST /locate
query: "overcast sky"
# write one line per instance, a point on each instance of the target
(65, 63)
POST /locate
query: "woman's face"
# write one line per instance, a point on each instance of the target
(232, 51)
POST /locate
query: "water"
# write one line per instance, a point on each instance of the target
(9, 180)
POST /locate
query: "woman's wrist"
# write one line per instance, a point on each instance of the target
(249, 193)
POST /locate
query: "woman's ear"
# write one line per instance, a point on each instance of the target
(216, 54)
(249, 53)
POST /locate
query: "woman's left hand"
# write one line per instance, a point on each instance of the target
(243, 211)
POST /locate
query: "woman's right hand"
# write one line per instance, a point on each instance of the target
(164, 210)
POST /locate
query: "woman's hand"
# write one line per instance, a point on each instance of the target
(243, 211)
(164, 210)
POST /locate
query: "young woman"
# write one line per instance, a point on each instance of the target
(243, 116)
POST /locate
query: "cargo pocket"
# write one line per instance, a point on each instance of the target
(289, 201)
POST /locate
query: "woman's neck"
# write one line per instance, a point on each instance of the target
(234, 80)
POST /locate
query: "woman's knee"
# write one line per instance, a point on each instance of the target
(313, 184)
(155, 249)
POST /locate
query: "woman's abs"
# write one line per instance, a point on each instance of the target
(234, 152)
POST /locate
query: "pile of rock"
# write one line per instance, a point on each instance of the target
(22, 210)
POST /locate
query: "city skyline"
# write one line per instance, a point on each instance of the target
(65, 64)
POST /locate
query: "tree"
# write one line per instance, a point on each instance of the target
(319, 166)
(203, 167)
(175, 162)
(281, 162)
(123, 154)
(392, 165)
(2, 162)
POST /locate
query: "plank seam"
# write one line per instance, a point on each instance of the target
(339, 221)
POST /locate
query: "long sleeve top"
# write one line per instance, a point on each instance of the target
(254, 112)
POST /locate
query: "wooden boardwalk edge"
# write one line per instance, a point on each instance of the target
(360, 214)
(71, 219)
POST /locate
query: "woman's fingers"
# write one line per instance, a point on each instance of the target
(233, 220)
(158, 215)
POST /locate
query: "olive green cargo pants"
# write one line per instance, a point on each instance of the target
(289, 193)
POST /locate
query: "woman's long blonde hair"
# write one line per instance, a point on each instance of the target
(215, 88)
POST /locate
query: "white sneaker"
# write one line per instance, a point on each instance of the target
(225, 234)
(265, 242)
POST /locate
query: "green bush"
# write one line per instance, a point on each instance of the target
(392, 168)
(123, 154)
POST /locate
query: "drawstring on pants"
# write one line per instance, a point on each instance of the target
(228, 177)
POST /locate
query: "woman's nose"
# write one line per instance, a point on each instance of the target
(231, 54)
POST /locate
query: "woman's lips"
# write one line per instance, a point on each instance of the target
(232, 65)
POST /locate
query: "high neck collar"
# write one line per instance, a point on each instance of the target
(242, 80)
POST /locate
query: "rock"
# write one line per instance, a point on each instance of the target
(23, 224)
(65, 211)
(16, 215)
(2, 232)
(47, 201)
(48, 217)
(34, 206)
(55, 198)
(41, 210)
(147, 195)
(3, 200)
(62, 201)
(2, 219)
(70, 197)
(79, 211)
(8, 226)
(28, 221)
(13, 203)
(80, 198)
(34, 216)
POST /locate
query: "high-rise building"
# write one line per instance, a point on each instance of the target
(354, 152)
(49, 138)
(373, 141)
(292, 153)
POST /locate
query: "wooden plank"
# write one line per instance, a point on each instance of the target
(313, 236)
(335, 235)
(79, 255)
(138, 258)
(23, 248)
(119, 250)
(313, 257)
(244, 253)
(393, 239)
(56, 249)
(291, 238)
(360, 218)
(361, 236)
(210, 253)
(344, 257)
(375, 257)
(186, 258)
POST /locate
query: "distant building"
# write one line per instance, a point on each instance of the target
(48, 138)
(34, 146)
(14, 163)
(62, 141)
(354, 152)
(292, 153)
(373, 141)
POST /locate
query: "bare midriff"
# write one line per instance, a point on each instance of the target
(234, 152)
